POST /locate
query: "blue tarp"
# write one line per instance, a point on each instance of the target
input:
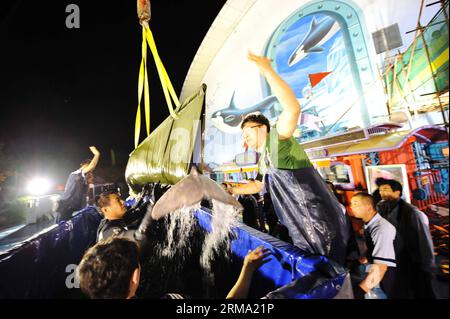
(43, 267)
(315, 276)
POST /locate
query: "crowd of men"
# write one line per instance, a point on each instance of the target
(291, 201)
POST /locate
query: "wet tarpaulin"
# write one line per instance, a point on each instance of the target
(314, 218)
(165, 155)
(291, 273)
(44, 266)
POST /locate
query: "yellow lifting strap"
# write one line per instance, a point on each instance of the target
(169, 92)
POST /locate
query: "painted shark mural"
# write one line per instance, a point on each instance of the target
(318, 33)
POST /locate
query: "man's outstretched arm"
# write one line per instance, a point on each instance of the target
(288, 119)
(252, 262)
(252, 187)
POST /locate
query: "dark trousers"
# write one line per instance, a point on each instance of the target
(261, 217)
(413, 283)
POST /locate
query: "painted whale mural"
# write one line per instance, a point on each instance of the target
(319, 33)
(229, 120)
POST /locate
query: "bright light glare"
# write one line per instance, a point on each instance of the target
(38, 186)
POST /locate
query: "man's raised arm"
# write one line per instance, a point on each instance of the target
(94, 160)
(288, 119)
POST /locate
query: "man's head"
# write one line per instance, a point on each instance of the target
(379, 181)
(255, 128)
(85, 163)
(390, 189)
(110, 269)
(363, 206)
(111, 205)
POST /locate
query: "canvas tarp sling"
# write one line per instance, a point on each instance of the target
(165, 155)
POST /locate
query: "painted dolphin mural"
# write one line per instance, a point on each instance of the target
(229, 120)
(318, 33)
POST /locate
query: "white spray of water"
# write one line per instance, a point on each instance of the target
(223, 219)
(180, 225)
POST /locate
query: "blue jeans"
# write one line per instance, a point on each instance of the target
(376, 292)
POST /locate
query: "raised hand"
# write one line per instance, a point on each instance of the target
(288, 119)
(263, 63)
(94, 150)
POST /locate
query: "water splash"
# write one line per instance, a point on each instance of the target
(218, 240)
(182, 230)
(180, 226)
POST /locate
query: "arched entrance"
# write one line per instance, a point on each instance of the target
(325, 36)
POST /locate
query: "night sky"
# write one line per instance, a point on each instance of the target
(62, 90)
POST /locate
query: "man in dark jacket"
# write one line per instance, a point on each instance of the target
(75, 191)
(117, 220)
(413, 245)
(133, 223)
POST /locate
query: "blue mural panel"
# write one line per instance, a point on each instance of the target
(312, 45)
(325, 38)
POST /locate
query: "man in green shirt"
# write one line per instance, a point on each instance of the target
(315, 220)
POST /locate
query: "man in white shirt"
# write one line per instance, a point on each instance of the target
(380, 236)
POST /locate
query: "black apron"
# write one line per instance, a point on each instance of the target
(314, 218)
